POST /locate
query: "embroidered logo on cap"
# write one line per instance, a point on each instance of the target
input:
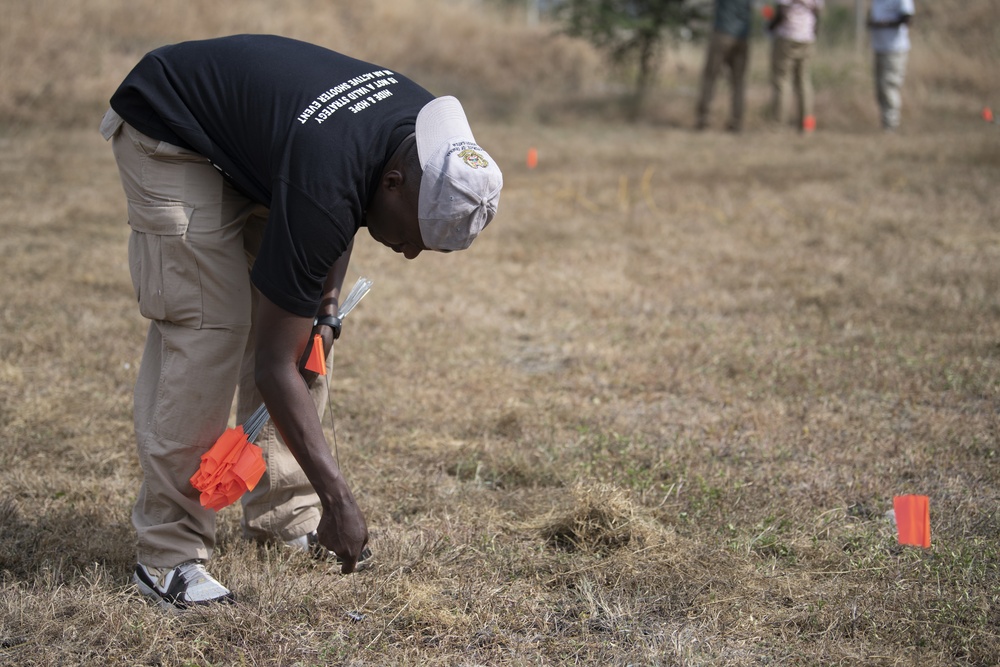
(473, 159)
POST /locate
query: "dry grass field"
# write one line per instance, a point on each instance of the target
(655, 416)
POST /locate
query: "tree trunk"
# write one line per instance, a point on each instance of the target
(644, 77)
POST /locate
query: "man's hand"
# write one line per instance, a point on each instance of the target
(342, 529)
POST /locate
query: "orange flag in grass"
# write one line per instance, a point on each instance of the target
(229, 469)
(913, 520)
(317, 360)
(532, 159)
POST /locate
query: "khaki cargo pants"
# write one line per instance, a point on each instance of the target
(193, 241)
(790, 63)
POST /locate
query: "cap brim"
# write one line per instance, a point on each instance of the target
(441, 119)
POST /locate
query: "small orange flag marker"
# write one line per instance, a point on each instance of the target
(532, 158)
(317, 359)
(913, 520)
(988, 114)
(767, 11)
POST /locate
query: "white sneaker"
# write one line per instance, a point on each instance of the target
(181, 587)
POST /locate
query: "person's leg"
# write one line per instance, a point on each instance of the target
(881, 88)
(780, 64)
(894, 72)
(713, 63)
(190, 278)
(802, 82)
(283, 506)
(739, 58)
(808, 91)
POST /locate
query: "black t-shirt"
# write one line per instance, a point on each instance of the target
(296, 127)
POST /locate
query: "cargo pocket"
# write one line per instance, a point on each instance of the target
(163, 265)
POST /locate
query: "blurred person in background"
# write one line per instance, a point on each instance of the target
(249, 163)
(889, 21)
(729, 47)
(794, 27)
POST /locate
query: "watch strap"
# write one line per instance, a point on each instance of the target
(331, 321)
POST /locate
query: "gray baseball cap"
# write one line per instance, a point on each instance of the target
(460, 187)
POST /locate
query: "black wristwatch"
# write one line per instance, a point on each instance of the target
(331, 321)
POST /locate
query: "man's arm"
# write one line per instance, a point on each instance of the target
(779, 17)
(334, 283)
(903, 19)
(281, 341)
(328, 305)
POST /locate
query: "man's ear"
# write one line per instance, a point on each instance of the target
(392, 180)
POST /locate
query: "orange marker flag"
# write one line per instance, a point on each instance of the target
(317, 359)
(913, 520)
(532, 158)
(767, 11)
(988, 114)
(229, 469)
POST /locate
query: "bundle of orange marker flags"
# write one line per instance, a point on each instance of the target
(233, 465)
